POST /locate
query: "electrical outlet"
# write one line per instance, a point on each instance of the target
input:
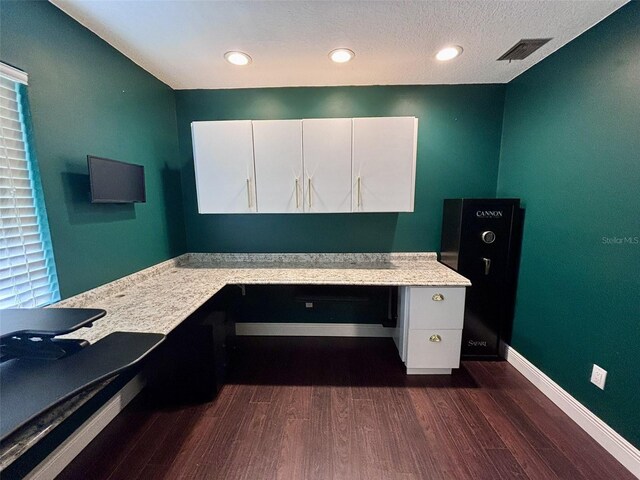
(308, 304)
(598, 376)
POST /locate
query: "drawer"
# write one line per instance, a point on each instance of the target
(436, 307)
(423, 352)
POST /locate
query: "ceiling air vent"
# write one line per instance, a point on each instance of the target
(523, 49)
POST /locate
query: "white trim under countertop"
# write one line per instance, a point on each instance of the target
(62, 456)
(313, 329)
(607, 437)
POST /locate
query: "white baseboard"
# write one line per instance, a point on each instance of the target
(313, 329)
(62, 456)
(611, 441)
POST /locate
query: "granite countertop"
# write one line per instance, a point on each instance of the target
(159, 298)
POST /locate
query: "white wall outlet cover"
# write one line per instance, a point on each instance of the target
(598, 376)
(308, 304)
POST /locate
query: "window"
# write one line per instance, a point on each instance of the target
(27, 270)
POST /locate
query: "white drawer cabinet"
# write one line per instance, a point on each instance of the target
(429, 331)
(433, 349)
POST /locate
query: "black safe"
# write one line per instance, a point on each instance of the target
(481, 240)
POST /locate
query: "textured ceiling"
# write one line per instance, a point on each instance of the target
(182, 42)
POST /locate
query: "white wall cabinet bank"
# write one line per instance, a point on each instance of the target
(332, 165)
(429, 331)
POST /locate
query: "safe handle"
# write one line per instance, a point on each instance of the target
(487, 265)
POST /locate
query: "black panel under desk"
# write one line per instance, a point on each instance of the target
(320, 304)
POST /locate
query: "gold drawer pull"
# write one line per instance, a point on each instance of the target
(437, 297)
(435, 338)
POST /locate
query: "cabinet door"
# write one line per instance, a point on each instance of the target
(278, 156)
(384, 158)
(327, 164)
(223, 160)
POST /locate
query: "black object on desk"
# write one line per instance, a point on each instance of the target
(28, 333)
(28, 387)
(48, 322)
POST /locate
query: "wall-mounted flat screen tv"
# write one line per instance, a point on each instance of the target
(115, 182)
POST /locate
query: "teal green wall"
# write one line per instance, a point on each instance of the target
(570, 150)
(87, 98)
(458, 152)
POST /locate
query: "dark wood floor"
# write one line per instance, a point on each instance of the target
(342, 408)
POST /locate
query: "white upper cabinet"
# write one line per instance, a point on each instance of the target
(384, 162)
(327, 164)
(223, 159)
(277, 146)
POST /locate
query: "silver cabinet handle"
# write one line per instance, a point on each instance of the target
(297, 195)
(437, 297)
(309, 188)
(249, 192)
(435, 338)
(487, 265)
(358, 193)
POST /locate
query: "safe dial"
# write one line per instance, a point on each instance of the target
(488, 236)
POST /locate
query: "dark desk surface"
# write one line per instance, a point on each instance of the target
(28, 387)
(47, 322)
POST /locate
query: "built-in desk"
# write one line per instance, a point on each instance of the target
(160, 298)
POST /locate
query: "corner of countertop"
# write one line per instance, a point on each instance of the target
(120, 284)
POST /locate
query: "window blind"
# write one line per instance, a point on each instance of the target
(27, 270)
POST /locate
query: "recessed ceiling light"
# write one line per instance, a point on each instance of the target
(449, 53)
(237, 58)
(341, 55)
